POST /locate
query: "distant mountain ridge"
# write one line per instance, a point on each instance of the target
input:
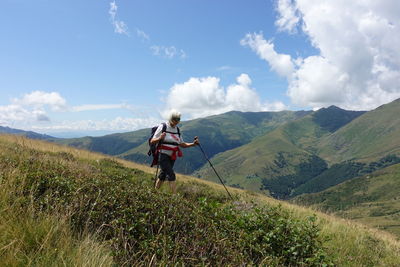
(333, 117)
(29, 134)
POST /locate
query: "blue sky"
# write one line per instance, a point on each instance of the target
(95, 67)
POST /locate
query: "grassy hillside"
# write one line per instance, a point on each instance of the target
(372, 199)
(140, 226)
(248, 165)
(282, 159)
(63, 206)
(368, 137)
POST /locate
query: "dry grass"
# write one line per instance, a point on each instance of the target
(31, 238)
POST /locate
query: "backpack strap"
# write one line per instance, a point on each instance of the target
(164, 127)
(178, 131)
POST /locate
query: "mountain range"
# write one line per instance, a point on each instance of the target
(304, 156)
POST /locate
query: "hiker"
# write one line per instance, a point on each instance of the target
(170, 141)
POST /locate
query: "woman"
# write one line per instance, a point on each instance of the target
(169, 141)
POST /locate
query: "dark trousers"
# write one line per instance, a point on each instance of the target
(167, 171)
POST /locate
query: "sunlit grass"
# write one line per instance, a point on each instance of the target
(31, 238)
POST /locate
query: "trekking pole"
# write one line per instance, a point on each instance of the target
(158, 161)
(222, 182)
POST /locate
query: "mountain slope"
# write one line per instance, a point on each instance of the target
(312, 153)
(372, 199)
(283, 158)
(248, 165)
(333, 118)
(368, 137)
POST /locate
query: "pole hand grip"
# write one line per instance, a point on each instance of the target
(196, 140)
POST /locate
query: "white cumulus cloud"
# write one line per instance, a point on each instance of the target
(358, 64)
(40, 99)
(199, 97)
(31, 108)
(12, 113)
